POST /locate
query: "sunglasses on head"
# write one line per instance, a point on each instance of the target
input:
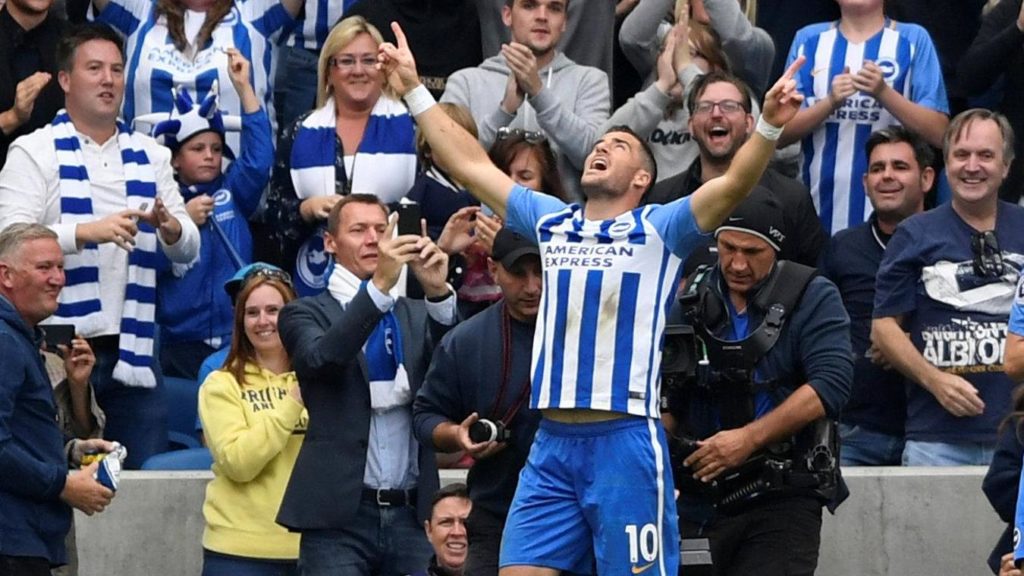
(269, 273)
(529, 136)
(988, 260)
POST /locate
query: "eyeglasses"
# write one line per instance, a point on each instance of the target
(268, 273)
(530, 137)
(988, 260)
(726, 106)
(349, 62)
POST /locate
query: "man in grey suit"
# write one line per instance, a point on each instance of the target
(361, 486)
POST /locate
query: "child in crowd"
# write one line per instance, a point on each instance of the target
(193, 311)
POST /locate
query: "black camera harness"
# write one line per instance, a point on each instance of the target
(726, 374)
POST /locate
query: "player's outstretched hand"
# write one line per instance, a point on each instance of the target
(397, 63)
(783, 101)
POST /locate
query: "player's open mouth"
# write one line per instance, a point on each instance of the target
(599, 164)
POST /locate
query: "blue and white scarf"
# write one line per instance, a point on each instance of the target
(385, 357)
(384, 165)
(80, 299)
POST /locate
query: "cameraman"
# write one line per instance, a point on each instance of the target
(750, 420)
(481, 370)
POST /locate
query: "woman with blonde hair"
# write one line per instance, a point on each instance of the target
(360, 138)
(254, 421)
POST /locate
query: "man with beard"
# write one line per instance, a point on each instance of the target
(720, 122)
(899, 175)
(533, 87)
(28, 47)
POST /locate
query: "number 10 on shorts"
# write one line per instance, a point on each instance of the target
(643, 542)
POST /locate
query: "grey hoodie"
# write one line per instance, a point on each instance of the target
(569, 110)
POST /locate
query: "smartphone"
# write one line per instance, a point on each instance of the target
(54, 334)
(409, 216)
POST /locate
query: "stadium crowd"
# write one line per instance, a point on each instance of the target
(649, 269)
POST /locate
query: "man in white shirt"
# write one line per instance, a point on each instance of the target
(111, 197)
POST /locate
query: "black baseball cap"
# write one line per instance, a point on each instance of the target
(510, 246)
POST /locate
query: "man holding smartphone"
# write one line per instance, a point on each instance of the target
(110, 195)
(36, 490)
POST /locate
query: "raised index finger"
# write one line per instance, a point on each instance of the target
(399, 36)
(790, 72)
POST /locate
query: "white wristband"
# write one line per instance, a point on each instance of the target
(419, 100)
(770, 133)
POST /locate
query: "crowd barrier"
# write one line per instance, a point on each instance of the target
(897, 521)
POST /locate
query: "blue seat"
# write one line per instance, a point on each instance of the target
(190, 459)
(182, 397)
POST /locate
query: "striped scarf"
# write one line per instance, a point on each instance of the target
(384, 164)
(80, 300)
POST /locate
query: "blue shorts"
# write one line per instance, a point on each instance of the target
(595, 492)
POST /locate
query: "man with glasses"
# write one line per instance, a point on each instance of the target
(943, 295)
(720, 122)
(533, 86)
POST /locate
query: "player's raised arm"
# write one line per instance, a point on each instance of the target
(718, 197)
(454, 149)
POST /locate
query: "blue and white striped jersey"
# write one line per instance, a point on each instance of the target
(834, 160)
(608, 286)
(153, 65)
(320, 17)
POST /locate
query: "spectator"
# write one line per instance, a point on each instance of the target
(463, 386)
(527, 158)
(447, 32)
(719, 133)
(254, 424)
(899, 174)
(110, 195)
(29, 98)
(78, 414)
(360, 492)
(588, 37)
(863, 74)
(536, 87)
(358, 139)
(193, 312)
(659, 113)
(183, 44)
(446, 530)
(998, 52)
(37, 491)
(947, 280)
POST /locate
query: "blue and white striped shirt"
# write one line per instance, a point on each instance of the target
(153, 65)
(834, 160)
(320, 17)
(608, 286)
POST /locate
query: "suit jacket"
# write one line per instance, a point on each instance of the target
(325, 342)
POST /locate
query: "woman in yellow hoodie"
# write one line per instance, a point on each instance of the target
(254, 422)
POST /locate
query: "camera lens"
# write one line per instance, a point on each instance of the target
(482, 431)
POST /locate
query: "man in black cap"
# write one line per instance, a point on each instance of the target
(777, 368)
(481, 371)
